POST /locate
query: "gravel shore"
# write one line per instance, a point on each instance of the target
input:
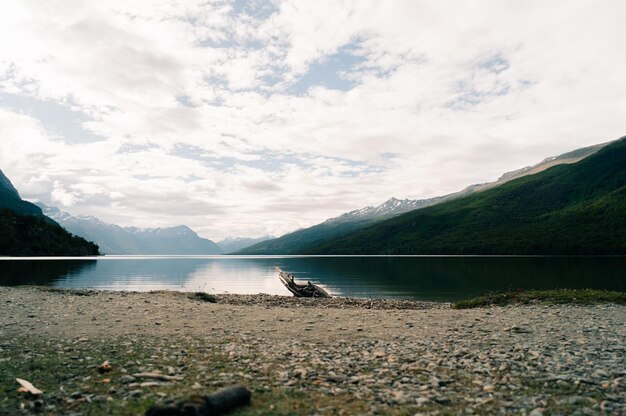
(337, 356)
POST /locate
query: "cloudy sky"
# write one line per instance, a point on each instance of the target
(245, 118)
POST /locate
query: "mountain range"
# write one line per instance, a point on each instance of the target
(302, 240)
(568, 204)
(573, 208)
(233, 244)
(26, 231)
(114, 239)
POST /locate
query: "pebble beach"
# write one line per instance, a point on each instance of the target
(307, 356)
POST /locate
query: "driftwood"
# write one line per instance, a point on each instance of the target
(222, 401)
(158, 376)
(309, 290)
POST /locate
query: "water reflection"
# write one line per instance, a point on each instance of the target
(449, 278)
(429, 278)
(41, 272)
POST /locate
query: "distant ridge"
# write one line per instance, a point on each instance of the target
(114, 239)
(233, 244)
(301, 240)
(391, 207)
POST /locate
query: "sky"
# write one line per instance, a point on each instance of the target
(247, 118)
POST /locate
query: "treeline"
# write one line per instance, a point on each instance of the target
(29, 235)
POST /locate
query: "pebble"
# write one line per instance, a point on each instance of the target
(531, 360)
(126, 379)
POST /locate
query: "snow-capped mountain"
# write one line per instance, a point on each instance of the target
(391, 207)
(114, 239)
(299, 240)
(395, 206)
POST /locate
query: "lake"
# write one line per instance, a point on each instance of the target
(438, 278)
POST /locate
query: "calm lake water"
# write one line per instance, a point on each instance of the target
(424, 278)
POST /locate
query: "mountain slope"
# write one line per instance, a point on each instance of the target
(563, 159)
(300, 240)
(29, 235)
(567, 209)
(25, 231)
(174, 240)
(114, 239)
(334, 227)
(10, 199)
(230, 245)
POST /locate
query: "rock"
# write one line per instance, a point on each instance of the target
(443, 401)
(421, 401)
(518, 329)
(127, 379)
(379, 354)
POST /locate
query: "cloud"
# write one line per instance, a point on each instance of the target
(250, 118)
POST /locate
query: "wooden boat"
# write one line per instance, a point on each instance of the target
(308, 290)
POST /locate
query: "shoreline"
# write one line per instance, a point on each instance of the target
(259, 299)
(299, 356)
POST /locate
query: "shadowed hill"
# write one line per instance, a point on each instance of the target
(29, 235)
(575, 208)
(10, 199)
(25, 231)
(301, 240)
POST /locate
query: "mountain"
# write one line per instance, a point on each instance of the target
(388, 208)
(334, 227)
(230, 245)
(564, 159)
(300, 240)
(573, 208)
(6, 185)
(114, 239)
(173, 240)
(25, 231)
(10, 199)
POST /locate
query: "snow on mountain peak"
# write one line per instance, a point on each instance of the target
(392, 206)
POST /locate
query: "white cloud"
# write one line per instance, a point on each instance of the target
(194, 121)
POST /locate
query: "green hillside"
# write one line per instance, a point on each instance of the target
(10, 199)
(28, 235)
(25, 231)
(568, 209)
(297, 241)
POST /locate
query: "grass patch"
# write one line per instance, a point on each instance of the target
(67, 372)
(550, 297)
(65, 291)
(203, 297)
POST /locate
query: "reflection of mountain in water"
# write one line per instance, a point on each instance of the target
(449, 278)
(426, 278)
(137, 274)
(40, 272)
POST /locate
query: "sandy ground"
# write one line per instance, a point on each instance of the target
(385, 356)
